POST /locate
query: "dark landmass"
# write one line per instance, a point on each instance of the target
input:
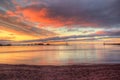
(111, 43)
(73, 72)
(5, 45)
(36, 44)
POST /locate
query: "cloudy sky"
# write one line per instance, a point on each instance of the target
(59, 19)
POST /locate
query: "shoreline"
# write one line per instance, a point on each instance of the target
(64, 72)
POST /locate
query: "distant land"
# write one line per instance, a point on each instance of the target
(37, 44)
(111, 43)
(24, 44)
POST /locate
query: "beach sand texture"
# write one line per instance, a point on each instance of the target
(71, 72)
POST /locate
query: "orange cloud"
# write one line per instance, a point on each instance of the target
(45, 19)
(11, 30)
(40, 16)
(100, 32)
(10, 13)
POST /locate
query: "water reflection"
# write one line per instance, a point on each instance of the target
(59, 55)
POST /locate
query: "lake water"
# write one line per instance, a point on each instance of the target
(60, 55)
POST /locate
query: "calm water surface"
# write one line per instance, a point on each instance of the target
(60, 55)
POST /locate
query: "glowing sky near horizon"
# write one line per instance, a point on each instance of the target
(39, 19)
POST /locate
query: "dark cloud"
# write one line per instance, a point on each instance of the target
(101, 12)
(7, 4)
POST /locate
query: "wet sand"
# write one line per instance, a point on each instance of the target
(73, 72)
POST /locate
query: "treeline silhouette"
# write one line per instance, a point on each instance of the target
(5, 45)
(33, 44)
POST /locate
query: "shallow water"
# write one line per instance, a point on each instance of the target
(60, 55)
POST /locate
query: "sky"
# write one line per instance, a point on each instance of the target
(59, 20)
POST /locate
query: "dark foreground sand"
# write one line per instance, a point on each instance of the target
(74, 72)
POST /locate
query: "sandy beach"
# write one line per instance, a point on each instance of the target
(71, 72)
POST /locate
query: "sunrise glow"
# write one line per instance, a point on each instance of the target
(57, 20)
